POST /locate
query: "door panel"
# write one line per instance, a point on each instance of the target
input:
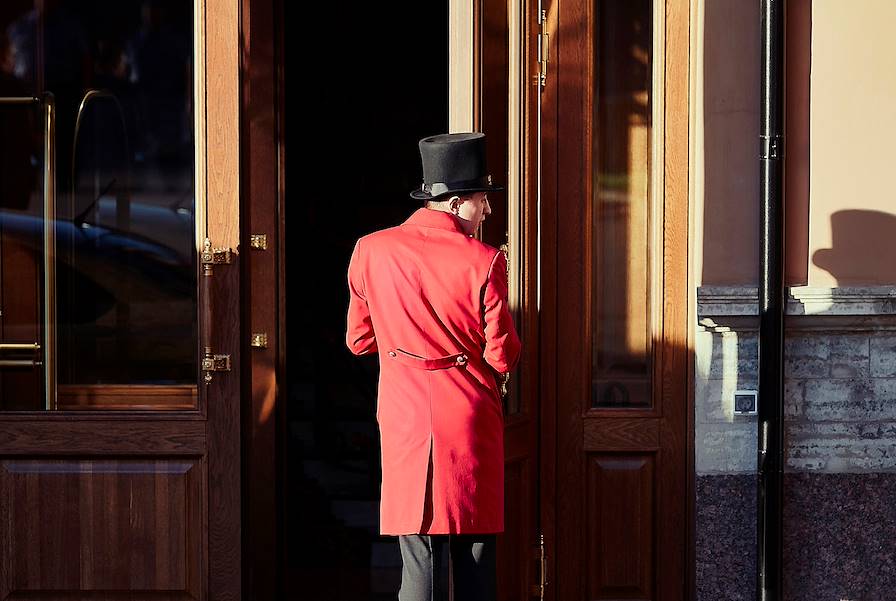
(119, 461)
(61, 510)
(614, 316)
(620, 506)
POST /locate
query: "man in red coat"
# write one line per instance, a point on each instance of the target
(431, 301)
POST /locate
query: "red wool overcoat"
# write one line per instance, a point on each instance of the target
(432, 302)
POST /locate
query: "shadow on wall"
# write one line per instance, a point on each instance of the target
(863, 246)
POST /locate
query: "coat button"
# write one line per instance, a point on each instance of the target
(391, 353)
(461, 359)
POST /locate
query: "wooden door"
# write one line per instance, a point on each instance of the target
(506, 94)
(119, 417)
(614, 299)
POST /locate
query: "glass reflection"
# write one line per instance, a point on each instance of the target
(124, 262)
(621, 336)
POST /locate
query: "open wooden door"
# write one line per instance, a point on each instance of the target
(614, 299)
(119, 354)
(506, 107)
(585, 107)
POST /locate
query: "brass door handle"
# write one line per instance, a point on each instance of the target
(16, 363)
(19, 355)
(91, 96)
(47, 103)
(505, 379)
(19, 347)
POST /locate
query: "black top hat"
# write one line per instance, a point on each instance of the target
(453, 163)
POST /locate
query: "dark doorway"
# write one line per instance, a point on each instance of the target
(369, 91)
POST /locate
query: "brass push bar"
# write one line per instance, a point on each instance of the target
(19, 347)
(48, 106)
(19, 363)
(13, 100)
(19, 355)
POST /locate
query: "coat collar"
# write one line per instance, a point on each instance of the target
(432, 218)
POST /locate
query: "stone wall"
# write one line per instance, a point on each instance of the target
(840, 443)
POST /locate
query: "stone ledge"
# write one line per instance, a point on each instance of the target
(724, 308)
(802, 300)
(844, 300)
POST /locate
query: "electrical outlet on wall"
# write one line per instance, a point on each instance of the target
(746, 402)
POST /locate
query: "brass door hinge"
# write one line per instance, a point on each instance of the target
(258, 241)
(259, 340)
(537, 590)
(212, 362)
(544, 41)
(213, 256)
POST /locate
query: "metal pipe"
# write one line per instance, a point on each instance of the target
(770, 459)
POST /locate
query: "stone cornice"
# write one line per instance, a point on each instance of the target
(801, 300)
(721, 308)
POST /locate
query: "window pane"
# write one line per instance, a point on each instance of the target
(621, 336)
(120, 279)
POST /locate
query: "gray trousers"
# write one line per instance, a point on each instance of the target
(471, 567)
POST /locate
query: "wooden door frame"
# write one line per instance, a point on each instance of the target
(517, 572)
(262, 179)
(219, 96)
(262, 170)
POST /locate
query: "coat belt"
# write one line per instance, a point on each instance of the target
(412, 360)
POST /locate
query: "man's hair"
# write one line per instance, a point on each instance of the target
(442, 203)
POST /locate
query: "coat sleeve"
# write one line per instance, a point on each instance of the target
(359, 334)
(502, 344)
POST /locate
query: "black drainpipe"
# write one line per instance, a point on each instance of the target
(769, 580)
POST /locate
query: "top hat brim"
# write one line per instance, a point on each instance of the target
(419, 194)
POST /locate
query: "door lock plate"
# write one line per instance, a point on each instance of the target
(212, 362)
(216, 363)
(214, 256)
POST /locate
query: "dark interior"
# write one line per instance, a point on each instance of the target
(371, 87)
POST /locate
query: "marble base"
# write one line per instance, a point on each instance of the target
(839, 537)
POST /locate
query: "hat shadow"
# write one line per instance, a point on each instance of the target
(862, 249)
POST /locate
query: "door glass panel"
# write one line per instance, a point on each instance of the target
(621, 247)
(97, 243)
